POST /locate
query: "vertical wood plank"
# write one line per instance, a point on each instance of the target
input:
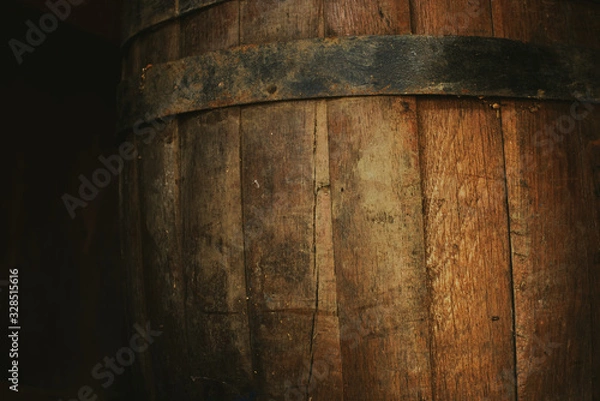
(164, 275)
(217, 322)
(267, 21)
(379, 250)
(536, 21)
(590, 129)
(287, 224)
(360, 17)
(158, 172)
(466, 226)
(200, 305)
(450, 17)
(277, 182)
(551, 226)
(467, 250)
(158, 267)
(325, 376)
(551, 230)
(158, 46)
(378, 232)
(216, 28)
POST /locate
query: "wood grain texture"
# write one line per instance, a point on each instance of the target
(360, 17)
(466, 227)
(551, 232)
(379, 251)
(157, 169)
(141, 16)
(288, 251)
(216, 28)
(378, 237)
(164, 271)
(467, 249)
(194, 276)
(217, 328)
(551, 225)
(277, 182)
(590, 127)
(217, 325)
(574, 23)
(158, 46)
(280, 20)
(449, 17)
(157, 269)
(326, 376)
(368, 248)
(291, 280)
(535, 21)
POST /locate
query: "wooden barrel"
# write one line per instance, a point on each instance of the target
(363, 200)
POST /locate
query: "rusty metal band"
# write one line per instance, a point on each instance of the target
(140, 15)
(360, 66)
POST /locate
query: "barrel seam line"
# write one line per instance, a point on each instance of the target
(510, 263)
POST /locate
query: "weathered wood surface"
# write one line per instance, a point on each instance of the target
(466, 229)
(142, 15)
(368, 248)
(217, 325)
(553, 215)
(466, 235)
(379, 248)
(551, 232)
(290, 330)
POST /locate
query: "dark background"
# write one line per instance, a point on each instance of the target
(58, 117)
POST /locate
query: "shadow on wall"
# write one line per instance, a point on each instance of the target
(59, 118)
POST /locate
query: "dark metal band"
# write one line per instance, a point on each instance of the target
(139, 15)
(361, 66)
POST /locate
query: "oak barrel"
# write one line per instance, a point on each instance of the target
(363, 200)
